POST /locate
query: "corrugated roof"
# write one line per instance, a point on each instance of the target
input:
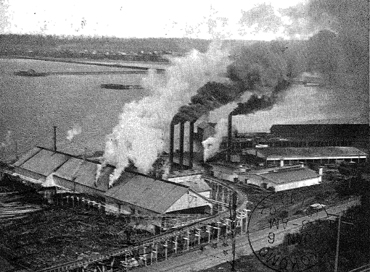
(197, 186)
(84, 172)
(44, 162)
(148, 193)
(27, 156)
(310, 152)
(132, 188)
(290, 175)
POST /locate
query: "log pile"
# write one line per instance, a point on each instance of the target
(55, 235)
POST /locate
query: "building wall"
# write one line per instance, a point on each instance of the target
(80, 188)
(255, 180)
(323, 130)
(258, 181)
(187, 201)
(29, 175)
(224, 172)
(295, 185)
(218, 173)
(193, 178)
(316, 160)
(206, 194)
(114, 207)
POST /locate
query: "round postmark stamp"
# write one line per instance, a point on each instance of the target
(284, 233)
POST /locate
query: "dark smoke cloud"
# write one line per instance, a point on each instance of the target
(259, 69)
(262, 69)
(259, 73)
(209, 97)
(265, 102)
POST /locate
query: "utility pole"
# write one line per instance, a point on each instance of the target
(338, 237)
(233, 206)
(337, 250)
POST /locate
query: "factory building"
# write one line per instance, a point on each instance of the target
(276, 178)
(293, 144)
(356, 135)
(37, 164)
(135, 193)
(193, 179)
(228, 171)
(307, 135)
(132, 193)
(274, 156)
(284, 178)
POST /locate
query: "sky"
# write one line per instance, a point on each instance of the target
(204, 19)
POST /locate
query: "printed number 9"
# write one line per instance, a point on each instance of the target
(271, 237)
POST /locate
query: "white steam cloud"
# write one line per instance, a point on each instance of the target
(142, 131)
(73, 132)
(8, 139)
(9, 147)
(212, 144)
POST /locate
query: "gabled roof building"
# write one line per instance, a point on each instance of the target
(131, 193)
(283, 178)
(318, 155)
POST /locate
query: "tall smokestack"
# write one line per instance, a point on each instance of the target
(191, 143)
(55, 138)
(229, 136)
(172, 139)
(181, 159)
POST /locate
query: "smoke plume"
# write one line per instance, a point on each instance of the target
(8, 139)
(260, 71)
(142, 131)
(9, 147)
(212, 144)
(73, 132)
(336, 46)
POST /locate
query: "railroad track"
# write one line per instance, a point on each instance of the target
(119, 252)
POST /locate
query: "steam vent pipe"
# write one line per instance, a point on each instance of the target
(191, 143)
(172, 139)
(181, 160)
(229, 136)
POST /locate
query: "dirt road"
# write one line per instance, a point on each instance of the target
(197, 260)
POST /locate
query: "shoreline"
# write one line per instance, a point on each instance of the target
(90, 62)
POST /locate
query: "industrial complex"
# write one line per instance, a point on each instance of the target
(185, 199)
(189, 205)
